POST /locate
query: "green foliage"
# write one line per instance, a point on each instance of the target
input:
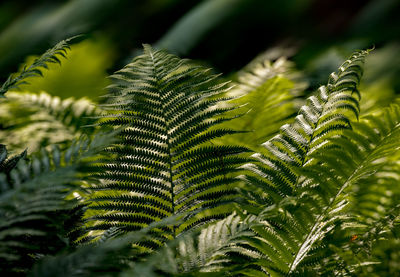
(325, 115)
(371, 253)
(267, 97)
(38, 120)
(8, 163)
(38, 216)
(165, 108)
(205, 251)
(84, 73)
(108, 257)
(156, 188)
(35, 69)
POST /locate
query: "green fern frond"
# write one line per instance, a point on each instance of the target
(379, 192)
(27, 213)
(323, 201)
(41, 119)
(165, 163)
(209, 251)
(35, 69)
(357, 256)
(376, 194)
(8, 163)
(36, 205)
(108, 257)
(74, 114)
(267, 94)
(327, 114)
(262, 69)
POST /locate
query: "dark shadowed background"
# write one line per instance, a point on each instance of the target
(225, 34)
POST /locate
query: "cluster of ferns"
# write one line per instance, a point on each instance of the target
(180, 172)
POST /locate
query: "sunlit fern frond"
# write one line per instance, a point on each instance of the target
(384, 245)
(326, 114)
(52, 55)
(293, 236)
(38, 120)
(268, 94)
(165, 162)
(264, 110)
(372, 192)
(209, 252)
(263, 69)
(36, 206)
(215, 249)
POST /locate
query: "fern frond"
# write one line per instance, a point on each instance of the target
(376, 194)
(35, 69)
(165, 163)
(327, 114)
(360, 254)
(41, 119)
(8, 163)
(267, 94)
(209, 251)
(262, 69)
(109, 256)
(73, 113)
(323, 200)
(36, 206)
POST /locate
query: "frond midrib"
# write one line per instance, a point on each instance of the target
(168, 142)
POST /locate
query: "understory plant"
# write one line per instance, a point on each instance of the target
(179, 172)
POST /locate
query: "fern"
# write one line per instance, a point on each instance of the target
(8, 163)
(200, 252)
(356, 255)
(41, 119)
(35, 69)
(36, 212)
(105, 258)
(165, 163)
(376, 194)
(161, 196)
(321, 205)
(264, 67)
(209, 251)
(267, 93)
(325, 115)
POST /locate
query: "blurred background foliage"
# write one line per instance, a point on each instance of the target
(83, 73)
(226, 34)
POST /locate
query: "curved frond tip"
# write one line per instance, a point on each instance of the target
(52, 55)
